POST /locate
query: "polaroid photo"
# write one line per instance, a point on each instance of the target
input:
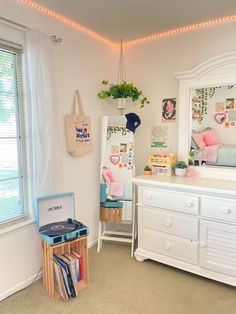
(230, 103)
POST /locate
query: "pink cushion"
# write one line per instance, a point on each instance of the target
(108, 176)
(205, 138)
(198, 139)
(210, 139)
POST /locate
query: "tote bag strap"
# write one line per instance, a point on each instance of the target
(77, 103)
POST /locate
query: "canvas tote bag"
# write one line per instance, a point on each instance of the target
(78, 129)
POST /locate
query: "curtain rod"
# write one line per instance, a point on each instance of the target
(13, 23)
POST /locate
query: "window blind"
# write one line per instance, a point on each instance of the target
(12, 135)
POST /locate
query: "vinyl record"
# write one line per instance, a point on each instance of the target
(57, 228)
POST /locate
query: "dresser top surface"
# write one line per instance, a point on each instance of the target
(196, 183)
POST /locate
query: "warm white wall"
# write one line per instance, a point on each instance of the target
(152, 66)
(81, 62)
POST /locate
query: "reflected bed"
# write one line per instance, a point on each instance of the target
(220, 154)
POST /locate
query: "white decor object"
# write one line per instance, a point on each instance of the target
(188, 224)
(218, 71)
(121, 104)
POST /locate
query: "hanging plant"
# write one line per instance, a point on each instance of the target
(123, 90)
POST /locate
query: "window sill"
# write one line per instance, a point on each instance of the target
(16, 226)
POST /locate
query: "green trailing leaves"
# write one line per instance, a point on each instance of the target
(111, 129)
(123, 90)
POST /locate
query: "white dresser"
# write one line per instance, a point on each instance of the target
(188, 223)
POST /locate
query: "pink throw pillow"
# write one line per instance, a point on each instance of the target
(108, 176)
(198, 139)
(205, 138)
(210, 139)
(105, 177)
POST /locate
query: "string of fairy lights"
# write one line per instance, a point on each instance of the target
(157, 36)
(183, 29)
(67, 21)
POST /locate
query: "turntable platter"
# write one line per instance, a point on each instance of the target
(58, 228)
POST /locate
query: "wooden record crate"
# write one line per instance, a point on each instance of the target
(80, 246)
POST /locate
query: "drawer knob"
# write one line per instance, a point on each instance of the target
(168, 223)
(167, 246)
(148, 197)
(190, 204)
(226, 211)
(202, 244)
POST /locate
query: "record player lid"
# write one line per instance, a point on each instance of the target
(54, 208)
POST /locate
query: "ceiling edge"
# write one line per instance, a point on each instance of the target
(138, 41)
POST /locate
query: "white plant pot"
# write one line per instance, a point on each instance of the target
(121, 103)
(180, 172)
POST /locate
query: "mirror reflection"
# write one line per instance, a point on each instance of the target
(213, 126)
(117, 165)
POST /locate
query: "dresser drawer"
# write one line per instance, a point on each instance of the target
(169, 200)
(176, 247)
(165, 221)
(219, 208)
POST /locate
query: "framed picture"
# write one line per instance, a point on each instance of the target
(169, 110)
(159, 136)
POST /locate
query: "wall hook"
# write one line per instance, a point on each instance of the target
(56, 39)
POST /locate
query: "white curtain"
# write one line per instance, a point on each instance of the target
(42, 116)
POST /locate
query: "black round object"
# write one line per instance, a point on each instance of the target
(57, 228)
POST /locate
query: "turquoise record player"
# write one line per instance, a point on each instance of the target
(55, 219)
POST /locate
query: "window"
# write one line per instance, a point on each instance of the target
(12, 136)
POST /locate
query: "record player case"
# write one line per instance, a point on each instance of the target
(79, 245)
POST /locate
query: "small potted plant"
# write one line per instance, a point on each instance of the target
(121, 91)
(147, 170)
(181, 169)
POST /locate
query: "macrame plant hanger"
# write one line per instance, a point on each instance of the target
(121, 78)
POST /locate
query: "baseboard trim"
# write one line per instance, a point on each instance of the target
(20, 286)
(93, 243)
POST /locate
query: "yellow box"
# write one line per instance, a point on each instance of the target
(168, 161)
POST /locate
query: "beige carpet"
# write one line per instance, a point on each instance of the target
(121, 285)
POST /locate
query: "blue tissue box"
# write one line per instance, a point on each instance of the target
(115, 204)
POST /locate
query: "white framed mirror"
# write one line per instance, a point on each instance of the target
(207, 101)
